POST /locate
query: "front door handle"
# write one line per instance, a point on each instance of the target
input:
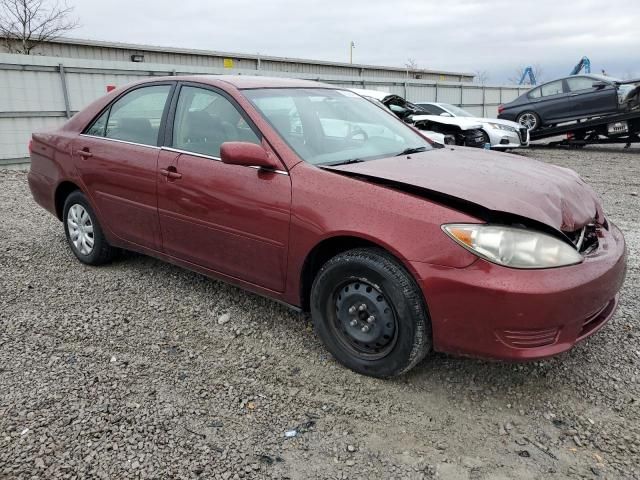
(84, 153)
(170, 172)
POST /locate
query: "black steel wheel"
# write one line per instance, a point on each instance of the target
(365, 320)
(370, 314)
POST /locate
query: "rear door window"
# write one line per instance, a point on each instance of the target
(134, 117)
(553, 88)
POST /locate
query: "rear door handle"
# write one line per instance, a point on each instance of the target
(84, 153)
(165, 172)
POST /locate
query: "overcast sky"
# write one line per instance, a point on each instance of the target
(496, 36)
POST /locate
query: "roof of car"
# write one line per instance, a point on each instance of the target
(605, 78)
(597, 76)
(377, 94)
(250, 81)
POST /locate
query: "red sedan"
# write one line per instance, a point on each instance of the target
(315, 197)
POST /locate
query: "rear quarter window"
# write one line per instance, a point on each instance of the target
(98, 127)
(535, 93)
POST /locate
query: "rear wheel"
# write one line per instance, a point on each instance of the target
(83, 231)
(369, 312)
(529, 120)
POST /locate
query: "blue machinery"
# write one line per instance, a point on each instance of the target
(583, 64)
(528, 72)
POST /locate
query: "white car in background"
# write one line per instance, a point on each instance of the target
(440, 129)
(501, 134)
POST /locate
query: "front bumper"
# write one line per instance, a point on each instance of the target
(506, 139)
(473, 138)
(487, 310)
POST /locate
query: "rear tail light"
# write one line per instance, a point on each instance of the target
(500, 109)
(30, 145)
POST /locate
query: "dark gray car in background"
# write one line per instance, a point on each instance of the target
(571, 98)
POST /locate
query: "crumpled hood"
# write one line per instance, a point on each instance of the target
(462, 122)
(500, 182)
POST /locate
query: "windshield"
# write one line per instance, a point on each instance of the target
(456, 111)
(330, 127)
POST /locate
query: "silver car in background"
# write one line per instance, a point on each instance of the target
(440, 129)
(501, 134)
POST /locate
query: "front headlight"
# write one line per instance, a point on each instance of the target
(513, 247)
(498, 126)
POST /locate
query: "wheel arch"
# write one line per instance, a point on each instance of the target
(63, 190)
(330, 247)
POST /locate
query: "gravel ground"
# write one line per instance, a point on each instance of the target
(142, 369)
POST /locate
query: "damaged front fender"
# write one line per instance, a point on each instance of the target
(629, 94)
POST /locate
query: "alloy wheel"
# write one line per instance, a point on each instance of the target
(528, 120)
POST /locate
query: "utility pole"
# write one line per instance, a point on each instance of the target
(352, 45)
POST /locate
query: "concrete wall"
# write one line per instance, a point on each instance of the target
(40, 93)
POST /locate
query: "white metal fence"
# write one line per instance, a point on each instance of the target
(40, 93)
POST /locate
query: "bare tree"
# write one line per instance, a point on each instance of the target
(481, 76)
(412, 64)
(538, 72)
(26, 23)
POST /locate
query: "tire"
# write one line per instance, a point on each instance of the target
(529, 119)
(398, 337)
(83, 232)
(485, 138)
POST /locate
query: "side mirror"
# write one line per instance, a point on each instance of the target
(446, 114)
(600, 85)
(246, 154)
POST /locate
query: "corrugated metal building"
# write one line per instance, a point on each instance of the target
(41, 91)
(121, 52)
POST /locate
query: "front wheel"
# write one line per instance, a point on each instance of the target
(529, 120)
(83, 231)
(485, 139)
(369, 312)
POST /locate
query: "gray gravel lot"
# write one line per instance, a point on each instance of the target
(142, 369)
